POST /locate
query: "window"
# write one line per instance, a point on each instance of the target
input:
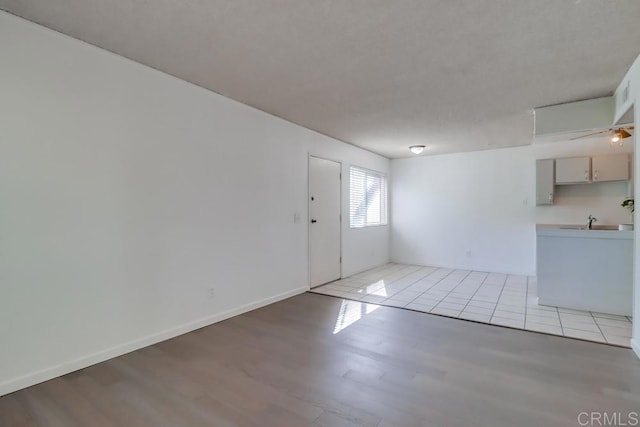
(368, 198)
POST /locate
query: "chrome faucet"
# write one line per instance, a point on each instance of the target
(592, 219)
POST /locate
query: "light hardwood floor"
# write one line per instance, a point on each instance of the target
(319, 360)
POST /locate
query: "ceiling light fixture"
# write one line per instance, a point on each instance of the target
(616, 137)
(417, 149)
(619, 135)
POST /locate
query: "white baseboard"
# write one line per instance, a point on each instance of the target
(51, 372)
(635, 346)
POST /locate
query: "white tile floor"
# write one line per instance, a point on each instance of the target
(493, 298)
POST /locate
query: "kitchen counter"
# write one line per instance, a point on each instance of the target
(585, 269)
(573, 230)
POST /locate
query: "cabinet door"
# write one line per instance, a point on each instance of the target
(545, 181)
(573, 170)
(610, 168)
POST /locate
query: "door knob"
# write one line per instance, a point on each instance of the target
(313, 221)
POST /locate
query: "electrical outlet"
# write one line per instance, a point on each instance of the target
(468, 254)
(212, 292)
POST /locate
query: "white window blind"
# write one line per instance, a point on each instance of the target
(368, 198)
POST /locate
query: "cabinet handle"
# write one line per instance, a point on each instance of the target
(595, 175)
(586, 175)
(551, 197)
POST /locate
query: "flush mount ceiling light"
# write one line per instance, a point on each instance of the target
(417, 149)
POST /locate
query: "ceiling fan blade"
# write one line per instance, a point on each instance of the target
(590, 134)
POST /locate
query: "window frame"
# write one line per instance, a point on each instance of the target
(384, 201)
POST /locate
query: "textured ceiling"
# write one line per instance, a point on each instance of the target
(455, 75)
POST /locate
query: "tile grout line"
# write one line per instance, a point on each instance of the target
(399, 270)
(423, 292)
(604, 337)
(444, 277)
(499, 296)
(474, 294)
(411, 283)
(386, 275)
(399, 278)
(449, 293)
(560, 320)
(577, 328)
(423, 277)
(555, 310)
(406, 275)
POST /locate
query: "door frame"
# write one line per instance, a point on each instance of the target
(309, 156)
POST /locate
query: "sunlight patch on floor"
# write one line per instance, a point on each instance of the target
(350, 312)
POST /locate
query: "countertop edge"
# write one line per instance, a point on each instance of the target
(554, 230)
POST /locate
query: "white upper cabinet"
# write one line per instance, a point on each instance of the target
(610, 168)
(573, 170)
(544, 181)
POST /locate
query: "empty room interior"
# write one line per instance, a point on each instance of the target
(319, 213)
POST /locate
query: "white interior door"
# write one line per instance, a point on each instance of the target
(324, 220)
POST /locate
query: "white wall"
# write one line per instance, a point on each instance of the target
(127, 194)
(635, 341)
(633, 76)
(484, 203)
